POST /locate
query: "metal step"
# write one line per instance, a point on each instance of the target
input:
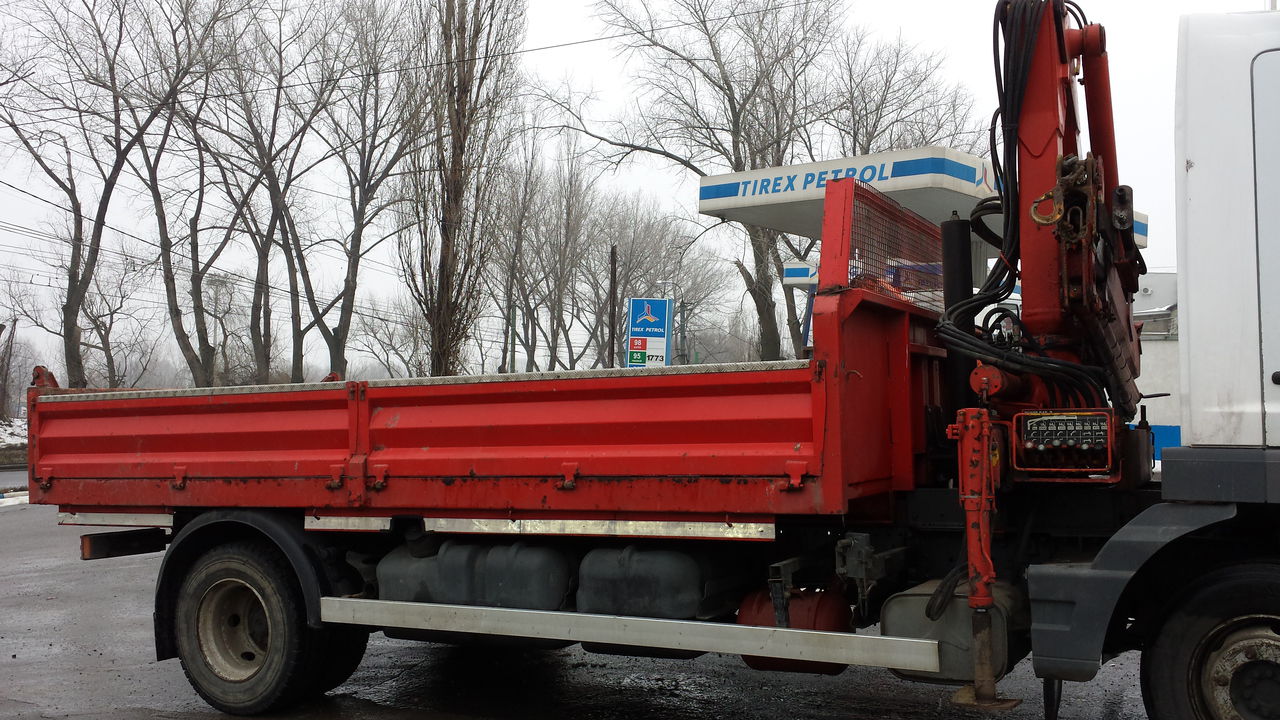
(832, 647)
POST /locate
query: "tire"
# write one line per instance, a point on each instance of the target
(343, 649)
(241, 630)
(1217, 656)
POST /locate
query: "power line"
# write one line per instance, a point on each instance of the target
(475, 58)
(287, 293)
(364, 261)
(368, 312)
(162, 304)
(395, 70)
(404, 320)
(152, 298)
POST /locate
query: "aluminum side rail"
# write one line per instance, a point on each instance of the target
(844, 648)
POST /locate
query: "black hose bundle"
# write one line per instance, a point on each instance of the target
(945, 592)
(1016, 23)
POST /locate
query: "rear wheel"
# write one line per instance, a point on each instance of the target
(241, 630)
(1217, 657)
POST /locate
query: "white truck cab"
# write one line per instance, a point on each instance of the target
(1227, 155)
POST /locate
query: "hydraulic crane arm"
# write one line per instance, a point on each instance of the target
(1067, 233)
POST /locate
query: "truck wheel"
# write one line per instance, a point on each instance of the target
(241, 630)
(1217, 657)
(343, 649)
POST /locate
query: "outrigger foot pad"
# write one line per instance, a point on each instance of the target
(966, 697)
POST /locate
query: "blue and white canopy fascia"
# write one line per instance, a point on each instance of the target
(932, 181)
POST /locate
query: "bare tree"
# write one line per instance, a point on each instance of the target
(92, 92)
(893, 95)
(396, 336)
(173, 166)
(119, 325)
(237, 361)
(550, 272)
(16, 360)
(177, 218)
(264, 109)
(468, 88)
(8, 331)
(733, 85)
(725, 85)
(369, 127)
(568, 221)
(730, 339)
(516, 207)
(115, 323)
(14, 67)
(655, 258)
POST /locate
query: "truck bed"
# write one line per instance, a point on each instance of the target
(715, 447)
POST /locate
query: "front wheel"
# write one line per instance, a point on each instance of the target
(241, 630)
(1217, 656)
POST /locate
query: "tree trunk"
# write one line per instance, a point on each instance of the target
(71, 339)
(260, 319)
(295, 312)
(759, 282)
(794, 327)
(208, 353)
(6, 365)
(199, 375)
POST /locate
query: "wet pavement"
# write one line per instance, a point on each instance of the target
(75, 642)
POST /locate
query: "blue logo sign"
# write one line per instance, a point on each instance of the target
(649, 317)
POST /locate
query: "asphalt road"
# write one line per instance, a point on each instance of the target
(13, 479)
(75, 642)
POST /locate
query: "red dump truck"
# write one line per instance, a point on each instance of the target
(938, 490)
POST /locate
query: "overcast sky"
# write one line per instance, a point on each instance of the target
(1142, 39)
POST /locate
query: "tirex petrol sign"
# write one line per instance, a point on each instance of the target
(648, 329)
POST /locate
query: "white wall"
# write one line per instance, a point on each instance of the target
(1161, 374)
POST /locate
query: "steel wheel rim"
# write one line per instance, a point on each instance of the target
(1238, 669)
(233, 630)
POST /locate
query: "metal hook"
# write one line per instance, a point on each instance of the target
(1056, 196)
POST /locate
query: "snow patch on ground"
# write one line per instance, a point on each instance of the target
(13, 433)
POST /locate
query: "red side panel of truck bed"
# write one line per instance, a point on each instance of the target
(642, 442)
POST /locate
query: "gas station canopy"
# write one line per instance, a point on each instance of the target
(932, 181)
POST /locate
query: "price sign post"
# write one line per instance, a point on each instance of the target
(648, 332)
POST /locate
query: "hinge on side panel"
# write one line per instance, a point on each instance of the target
(570, 480)
(335, 477)
(379, 477)
(796, 470)
(179, 477)
(44, 478)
